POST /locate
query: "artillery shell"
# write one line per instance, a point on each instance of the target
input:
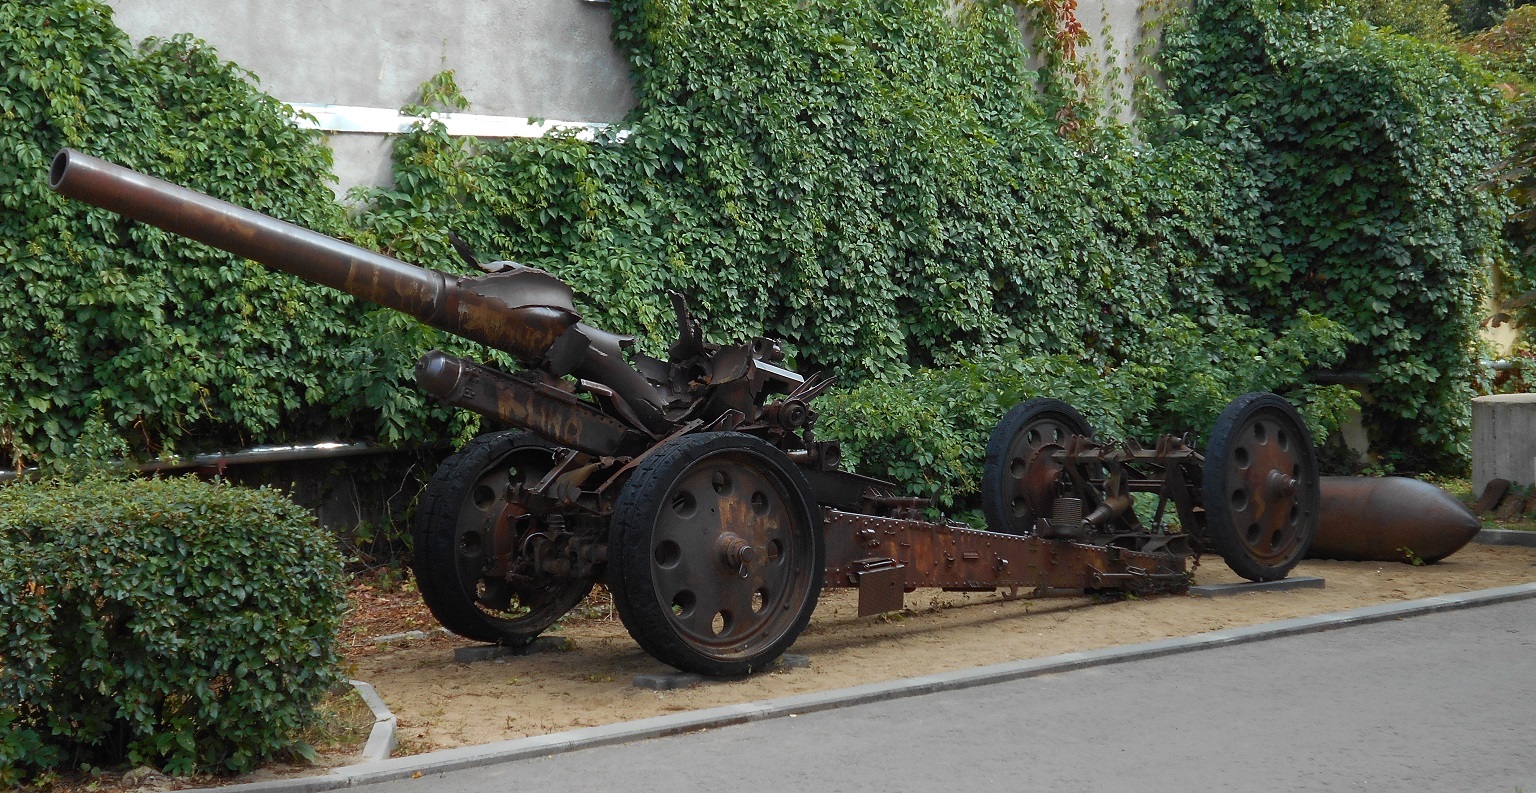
(1389, 519)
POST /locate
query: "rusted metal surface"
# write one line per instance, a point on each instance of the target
(512, 570)
(1046, 475)
(1022, 476)
(1390, 519)
(728, 551)
(549, 411)
(953, 557)
(520, 310)
(1254, 502)
(882, 588)
(1104, 475)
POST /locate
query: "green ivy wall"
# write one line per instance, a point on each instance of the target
(884, 185)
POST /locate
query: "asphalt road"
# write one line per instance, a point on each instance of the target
(1443, 702)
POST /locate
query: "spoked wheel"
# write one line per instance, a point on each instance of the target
(715, 555)
(1260, 488)
(469, 541)
(1020, 480)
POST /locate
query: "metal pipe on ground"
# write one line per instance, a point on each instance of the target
(323, 450)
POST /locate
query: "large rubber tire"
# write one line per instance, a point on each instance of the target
(457, 514)
(1017, 438)
(675, 525)
(1260, 487)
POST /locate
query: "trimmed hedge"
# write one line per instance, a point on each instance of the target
(168, 622)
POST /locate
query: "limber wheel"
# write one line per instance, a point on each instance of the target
(1019, 480)
(715, 555)
(1260, 487)
(469, 537)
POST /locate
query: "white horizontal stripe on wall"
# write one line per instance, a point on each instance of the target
(381, 120)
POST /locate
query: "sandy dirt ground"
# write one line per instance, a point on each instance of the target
(444, 704)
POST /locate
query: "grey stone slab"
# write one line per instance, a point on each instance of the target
(667, 681)
(407, 636)
(1245, 587)
(793, 661)
(490, 652)
(1524, 539)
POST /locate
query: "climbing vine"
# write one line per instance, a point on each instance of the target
(881, 185)
(886, 185)
(877, 184)
(1362, 154)
(176, 344)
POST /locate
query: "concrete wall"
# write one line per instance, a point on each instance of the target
(1504, 440)
(545, 58)
(551, 59)
(1114, 33)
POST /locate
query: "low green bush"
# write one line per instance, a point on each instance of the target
(166, 622)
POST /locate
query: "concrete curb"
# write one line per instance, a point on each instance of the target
(383, 738)
(1526, 539)
(661, 726)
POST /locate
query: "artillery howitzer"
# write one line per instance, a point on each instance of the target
(695, 488)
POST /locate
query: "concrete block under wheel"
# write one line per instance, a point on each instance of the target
(667, 681)
(488, 652)
(1525, 539)
(792, 661)
(670, 681)
(1243, 588)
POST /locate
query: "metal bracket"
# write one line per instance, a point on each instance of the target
(882, 586)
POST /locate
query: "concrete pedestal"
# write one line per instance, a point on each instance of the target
(1503, 439)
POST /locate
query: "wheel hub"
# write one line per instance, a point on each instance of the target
(1040, 484)
(736, 552)
(474, 544)
(1280, 485)
(1021, 478)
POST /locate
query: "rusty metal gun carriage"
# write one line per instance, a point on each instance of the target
(695, 488)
